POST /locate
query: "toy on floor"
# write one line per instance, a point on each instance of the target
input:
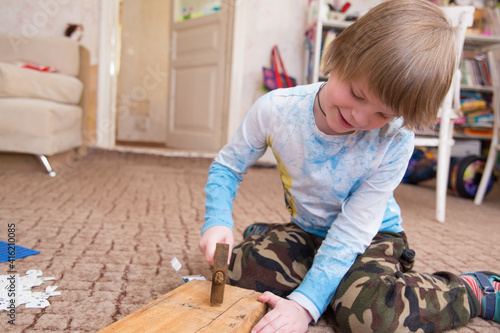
(465, 173)
(422, 166)
(15, 290)
(465, 176)
(9, 252)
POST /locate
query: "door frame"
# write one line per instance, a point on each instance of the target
(109, 51)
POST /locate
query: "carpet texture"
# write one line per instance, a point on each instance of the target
(108, 225)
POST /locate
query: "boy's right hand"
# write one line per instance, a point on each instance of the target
(210, 238)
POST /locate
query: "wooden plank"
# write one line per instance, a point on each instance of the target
(188, 309)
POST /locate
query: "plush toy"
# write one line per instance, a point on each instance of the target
(74, 31)
(420, 168)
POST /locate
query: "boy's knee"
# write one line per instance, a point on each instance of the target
(366, 305)
(251, 269)
(254, 266)
(385, 303)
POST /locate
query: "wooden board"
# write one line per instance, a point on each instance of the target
(187, 309)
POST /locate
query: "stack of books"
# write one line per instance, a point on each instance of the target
(477, 115)
(475, 70)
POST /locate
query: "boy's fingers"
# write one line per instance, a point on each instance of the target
(265, 324)
(210, 253)
(269, 298)
(205, 248)
(229, 255)
(209, 240)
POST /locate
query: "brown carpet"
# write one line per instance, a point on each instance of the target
(108, 225)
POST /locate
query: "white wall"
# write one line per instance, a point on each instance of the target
(264, 24)
(259, 25)
(29, 18)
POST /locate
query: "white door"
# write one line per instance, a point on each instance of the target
(199, 81)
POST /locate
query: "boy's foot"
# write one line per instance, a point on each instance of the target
(255, 229)
(486, 287)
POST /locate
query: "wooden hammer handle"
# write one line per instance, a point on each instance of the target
(219, 275)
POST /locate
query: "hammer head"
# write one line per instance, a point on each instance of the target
(219, 273)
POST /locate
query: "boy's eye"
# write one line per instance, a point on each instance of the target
(385, 116)
(356, 96)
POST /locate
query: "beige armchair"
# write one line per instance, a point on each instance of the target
(41, 113)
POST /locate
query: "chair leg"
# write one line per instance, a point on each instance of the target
(443, 166)
(485, 179)
(46, 164)
(494, 145)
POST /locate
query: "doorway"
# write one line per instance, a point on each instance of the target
(173, 76)
(142, 80)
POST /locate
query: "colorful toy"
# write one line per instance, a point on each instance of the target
(465, 173)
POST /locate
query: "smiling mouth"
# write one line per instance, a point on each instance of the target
(343, 122)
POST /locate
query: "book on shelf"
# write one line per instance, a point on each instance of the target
(472, 104)
(329, 37)
(475, 70)
(483, 119)
(475, 110)
(478, 131)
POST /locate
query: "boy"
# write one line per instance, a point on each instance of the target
(341, 150)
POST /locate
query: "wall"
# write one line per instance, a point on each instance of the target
(259, 25)
(268, 23)
(50, 17)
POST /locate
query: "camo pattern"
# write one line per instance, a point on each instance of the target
(380, 293)
(276, 261)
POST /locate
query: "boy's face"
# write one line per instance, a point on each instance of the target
(349, 106)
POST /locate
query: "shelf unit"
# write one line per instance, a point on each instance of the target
(477, 44)
(322, 26)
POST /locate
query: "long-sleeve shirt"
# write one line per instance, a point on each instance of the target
(338, 187)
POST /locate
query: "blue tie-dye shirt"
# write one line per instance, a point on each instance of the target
(337, 187)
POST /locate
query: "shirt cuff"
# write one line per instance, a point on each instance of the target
(212, 222)
(306, 303)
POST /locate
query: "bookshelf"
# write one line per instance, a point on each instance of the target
(323, 26)
(479, 81)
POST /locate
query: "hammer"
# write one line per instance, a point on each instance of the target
(219, 273)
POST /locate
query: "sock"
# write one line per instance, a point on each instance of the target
(472, 282)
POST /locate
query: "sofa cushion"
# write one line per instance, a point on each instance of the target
(29, 83)
(30, 125)
(60, 52)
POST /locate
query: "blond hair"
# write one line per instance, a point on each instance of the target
(405, 49)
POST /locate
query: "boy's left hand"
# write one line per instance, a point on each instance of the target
(285, 316)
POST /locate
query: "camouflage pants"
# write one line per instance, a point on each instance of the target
(380, 292)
